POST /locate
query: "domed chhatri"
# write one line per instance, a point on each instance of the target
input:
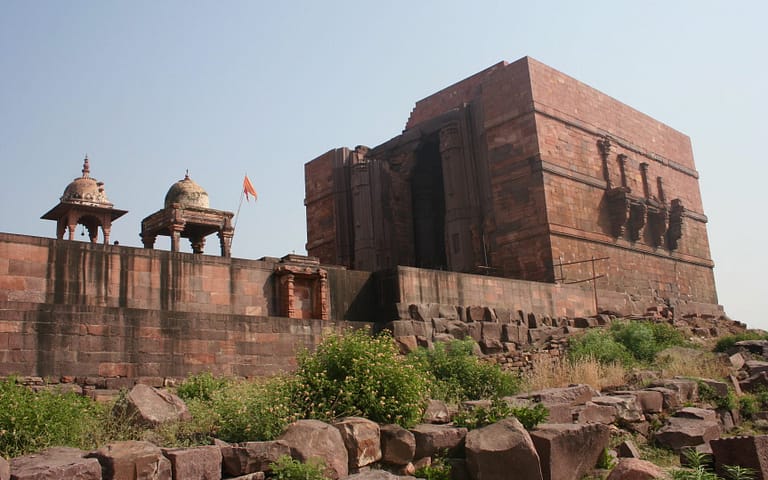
(187, 214)
(187, 193)
(84, 202)
(85, 189)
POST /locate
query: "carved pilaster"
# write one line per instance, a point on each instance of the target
(287, 298)
(644, 175)
(618, 210)
(323, 294)
(675, 233)
(604, 146)
(622, 159)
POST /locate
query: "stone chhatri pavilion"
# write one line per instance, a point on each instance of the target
(84, 202)
(187, 214)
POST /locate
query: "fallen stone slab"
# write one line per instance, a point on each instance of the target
(377, 475)
(682, 432)
(436, 412)
(627, 449)
(501, 451)
(5, 469)
(437, 439)
(197, 463)
(362, 438)
(251, 457)
(695, 412)
(54, 463)
(594, 413)
(573, 395)
(151, 407)
(636, 469)
(250, 476)
(313, 438)
(133, 460)
(650, 401)
(627, 407)
(687, 390)
(398, 445)
(744, 451)
(569, 451)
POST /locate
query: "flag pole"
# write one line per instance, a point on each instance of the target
(237, 215)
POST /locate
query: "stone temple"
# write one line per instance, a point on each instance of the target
(520, 171)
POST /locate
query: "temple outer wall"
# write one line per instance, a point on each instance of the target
(414, 286)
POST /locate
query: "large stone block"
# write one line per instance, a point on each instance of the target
(636, 469)
(574, 395)
(362, 438)
(435, 439)
(569, 451)
(682, 432)
(744, 451)
(398, 445)
(313, 438)
(151, 407)
(133, 460)
(501, 451)
(250, 457)
(198, 463)
(54, 463)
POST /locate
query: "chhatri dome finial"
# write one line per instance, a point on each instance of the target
(186, 175)
(86, 167)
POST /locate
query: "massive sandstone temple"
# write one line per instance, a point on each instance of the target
(522, 172)
(515, 205)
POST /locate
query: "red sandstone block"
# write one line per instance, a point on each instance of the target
(109, 369)
(10, 327)
(11, 283)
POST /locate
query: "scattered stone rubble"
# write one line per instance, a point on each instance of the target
(517, 340)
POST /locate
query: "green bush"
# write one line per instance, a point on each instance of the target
(439, 469)
(32, 421)
(250, 411)
(286, 468)
(708, 394)
(626, 342)
(725, 343)
(356, 374)
(479, 417)
(600, 345)
(201, 386)
(458, 375)
(748, 406)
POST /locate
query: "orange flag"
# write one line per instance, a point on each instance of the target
(248, 189)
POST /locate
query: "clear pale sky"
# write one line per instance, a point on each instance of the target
(149, 89)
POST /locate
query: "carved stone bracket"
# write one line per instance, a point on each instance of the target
(636, 220)
(604, 146)
(658, 218)
(290, 279)
(676, 214)
(618, 209)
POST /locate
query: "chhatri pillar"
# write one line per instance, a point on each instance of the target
(187, 215)
(85, 203)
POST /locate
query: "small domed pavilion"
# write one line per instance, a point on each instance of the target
(187, 214)
(84, 202)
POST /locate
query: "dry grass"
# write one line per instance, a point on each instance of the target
(565, 372)
(690, 362)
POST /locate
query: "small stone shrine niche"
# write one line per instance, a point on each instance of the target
(85, 203)
(187, 215)
(302, 288)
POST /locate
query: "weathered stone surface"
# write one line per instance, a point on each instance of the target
(573, 395)
(5, 469)
(406, 344)
(627, 407)
(250, 476)
(313, 438)
(398, 445)
(745, 451)
(377, 475)
(250, 457)
(436, 412)
(720, 388)
(687, 390)
(362, 438)
(494, 450)
(737, 360)
(568, 451)
(133, 460)
(683, 432)
(198, 463)
(594, 413)
(670, 398)
(650, 401)
(434, 439)
(457, 329)
(756, 347)
(695, 412)
(54, 463)
(627, 449)
(636, 469)
(447, 311)
(489, 346)
(151, 407)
